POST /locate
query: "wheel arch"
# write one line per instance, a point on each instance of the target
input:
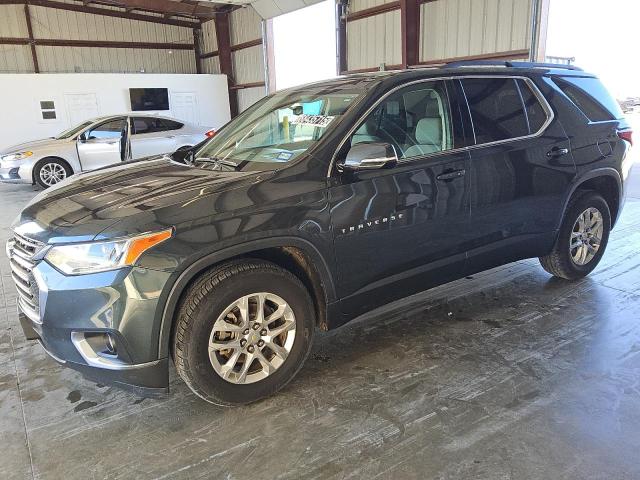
(296, 255)
(50, 157)
(605, 181)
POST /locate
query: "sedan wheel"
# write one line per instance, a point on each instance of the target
(50, 173)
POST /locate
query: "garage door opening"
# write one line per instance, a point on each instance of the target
(304, 45)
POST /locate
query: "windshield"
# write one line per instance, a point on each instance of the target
(277, 129)
(74, 130)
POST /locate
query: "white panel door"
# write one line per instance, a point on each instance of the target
(184, 106)
(81, 107)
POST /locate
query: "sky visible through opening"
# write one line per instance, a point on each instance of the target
(305, 45)
(604, 37)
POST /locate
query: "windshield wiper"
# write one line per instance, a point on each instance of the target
(218, 161)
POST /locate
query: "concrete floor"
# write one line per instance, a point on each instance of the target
(509, 374)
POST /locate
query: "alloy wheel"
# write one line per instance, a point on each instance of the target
(52, 173)
(586, 236)
(252, 338)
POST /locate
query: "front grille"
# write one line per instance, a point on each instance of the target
(21, 251)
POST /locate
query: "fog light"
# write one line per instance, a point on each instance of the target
(99, 349)
(110, 343)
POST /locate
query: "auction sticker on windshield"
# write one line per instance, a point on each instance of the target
(313, 120)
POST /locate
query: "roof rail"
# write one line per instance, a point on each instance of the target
(503, 63)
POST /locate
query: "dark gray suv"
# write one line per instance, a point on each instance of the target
(316, 205)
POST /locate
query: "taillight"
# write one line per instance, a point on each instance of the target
(626, 135)
(211, 133)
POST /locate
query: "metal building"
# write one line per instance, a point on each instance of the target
(165, 36)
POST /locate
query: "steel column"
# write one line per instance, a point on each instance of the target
(223, 35)
(34, 56)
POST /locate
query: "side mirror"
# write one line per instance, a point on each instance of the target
(183, 156)
(370, 156)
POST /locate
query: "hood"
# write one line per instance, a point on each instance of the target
(32, 145)
(79, 208)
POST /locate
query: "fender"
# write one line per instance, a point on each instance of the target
(579, 180)
(190, 272)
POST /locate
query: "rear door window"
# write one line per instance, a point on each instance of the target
(590, 96)
(142, 125)
(170, 124)
(496, 109)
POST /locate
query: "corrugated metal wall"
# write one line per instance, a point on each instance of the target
(14, 58)
(248, 63)
(374, 40)
(460, 28)
(208, 44)
(448, 29)
(249, 96)
(61, 24)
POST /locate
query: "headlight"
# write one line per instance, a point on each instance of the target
(17, 156)
(79, 258)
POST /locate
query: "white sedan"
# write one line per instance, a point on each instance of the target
(97, 143)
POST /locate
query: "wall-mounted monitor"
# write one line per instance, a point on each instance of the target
(145, 99)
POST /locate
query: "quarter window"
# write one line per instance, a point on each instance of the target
(590, 96)
(496, 109)
(416, 120)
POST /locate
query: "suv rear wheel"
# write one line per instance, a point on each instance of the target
(583, 237)
(243, 331)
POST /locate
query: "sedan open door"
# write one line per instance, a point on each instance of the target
(104, 144)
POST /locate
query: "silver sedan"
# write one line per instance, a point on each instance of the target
(96, 143)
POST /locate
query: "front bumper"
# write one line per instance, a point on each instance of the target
(10, 175)
(16, 172)
(75, 312)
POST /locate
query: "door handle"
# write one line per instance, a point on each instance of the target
(447, 176)
(557, 152)
(113, 142)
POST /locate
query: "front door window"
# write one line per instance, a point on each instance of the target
(416, 120)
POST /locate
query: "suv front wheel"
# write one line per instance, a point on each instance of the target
(243, 331)
(582, 239)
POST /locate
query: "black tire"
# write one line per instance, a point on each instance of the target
(50, 163)
(207, 298)
(559, 262)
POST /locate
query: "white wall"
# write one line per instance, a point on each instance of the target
(20, 96)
